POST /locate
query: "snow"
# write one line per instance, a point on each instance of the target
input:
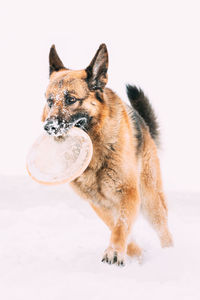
(51, 245)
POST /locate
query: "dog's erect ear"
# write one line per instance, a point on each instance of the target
(97, 70)
(55, 63)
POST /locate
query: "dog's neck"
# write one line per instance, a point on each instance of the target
(105, 137)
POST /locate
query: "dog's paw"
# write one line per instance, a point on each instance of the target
(113, 256)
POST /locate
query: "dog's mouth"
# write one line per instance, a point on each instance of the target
(58, 127)
(80, 123)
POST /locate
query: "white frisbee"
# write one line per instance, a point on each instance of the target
(55, 161)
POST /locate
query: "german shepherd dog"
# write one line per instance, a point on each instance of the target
(123, 176)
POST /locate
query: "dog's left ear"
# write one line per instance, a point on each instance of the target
(55, 63)
(97, 70)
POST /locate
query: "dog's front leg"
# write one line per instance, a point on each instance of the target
(128, 210)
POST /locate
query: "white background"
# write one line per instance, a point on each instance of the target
(153, 44)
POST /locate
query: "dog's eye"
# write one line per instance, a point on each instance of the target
(50, 102)
(69, 100)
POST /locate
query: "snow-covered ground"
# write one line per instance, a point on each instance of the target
(51, 244)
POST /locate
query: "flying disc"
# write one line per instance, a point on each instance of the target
(55, 161)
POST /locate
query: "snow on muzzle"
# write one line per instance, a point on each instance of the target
(58, 127)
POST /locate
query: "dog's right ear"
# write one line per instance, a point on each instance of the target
(55, 63)
(97, 70)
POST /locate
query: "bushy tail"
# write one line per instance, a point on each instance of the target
(141, 103)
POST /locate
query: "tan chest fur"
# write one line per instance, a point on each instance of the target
(112, 169)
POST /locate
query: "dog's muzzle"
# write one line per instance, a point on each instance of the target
(55, 126)
(58, 127)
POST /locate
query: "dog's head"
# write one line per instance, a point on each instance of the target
(75, 98)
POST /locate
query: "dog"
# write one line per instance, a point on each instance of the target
(124, 174)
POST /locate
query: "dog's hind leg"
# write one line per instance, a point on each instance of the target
(134, 250)
(156, 213)
(152, 197)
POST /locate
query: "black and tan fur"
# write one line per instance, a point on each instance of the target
(123, 176)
